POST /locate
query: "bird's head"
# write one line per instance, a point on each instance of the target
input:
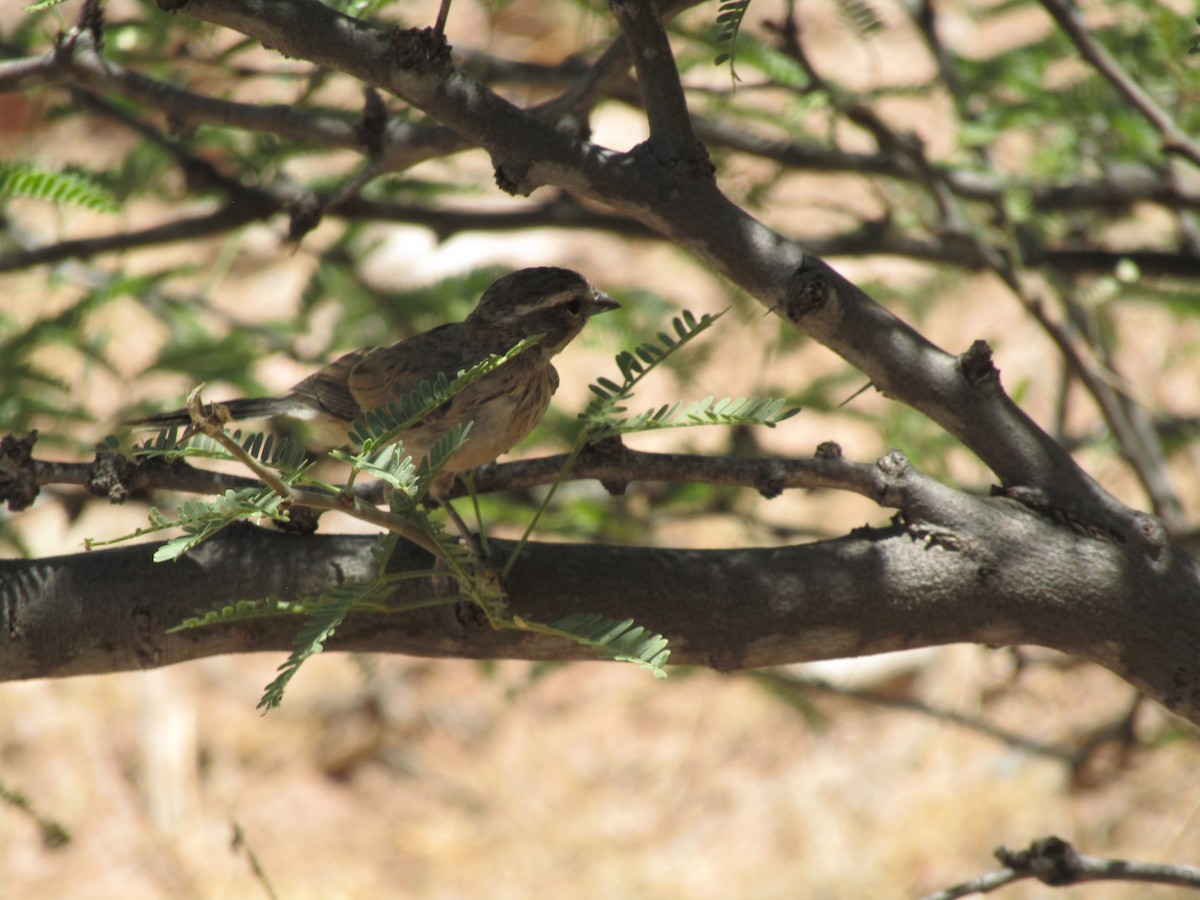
(549, 301)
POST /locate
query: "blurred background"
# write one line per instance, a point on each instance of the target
(394, 777)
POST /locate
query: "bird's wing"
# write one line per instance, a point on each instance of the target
(384, 374)
(326, 391)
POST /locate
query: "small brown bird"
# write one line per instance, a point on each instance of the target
(504, 405)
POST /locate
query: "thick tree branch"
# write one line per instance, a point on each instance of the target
(994, 573)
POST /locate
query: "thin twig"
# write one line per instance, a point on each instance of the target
(1054, 862)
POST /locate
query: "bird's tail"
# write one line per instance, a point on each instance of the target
(242, 408)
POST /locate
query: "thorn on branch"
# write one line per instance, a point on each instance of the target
(305, 214)
(770, 486)
(18, 473)
(609, 451)
(443, 14)
(808, 290)
(419, 50)
(893, 463)
(977, 366)
(614, 488)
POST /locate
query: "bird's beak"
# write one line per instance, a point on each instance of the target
(600, 303)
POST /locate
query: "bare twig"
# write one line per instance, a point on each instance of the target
(611, 463)
(1055, 863)
(798, 686)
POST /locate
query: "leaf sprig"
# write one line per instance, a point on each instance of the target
(729, 19)
(621, 641)
(63, 188)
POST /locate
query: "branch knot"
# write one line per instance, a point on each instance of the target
(1050, 860)
(977, 365)
(808, 290)
(110, 475)
(420, 50)
(18, 471)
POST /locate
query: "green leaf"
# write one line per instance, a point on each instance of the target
(61, 188)
(620, 641)
(767, 412)
(611, 395)
(440, 454)
(241, 611)
(729, 17)
(325, 616)
(43, 5)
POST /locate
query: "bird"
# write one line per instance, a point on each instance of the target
(503, 406)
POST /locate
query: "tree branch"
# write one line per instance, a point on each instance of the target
(666, 107)
(995, 574)
(116, 477)
(1054, 862)
(1175, 140)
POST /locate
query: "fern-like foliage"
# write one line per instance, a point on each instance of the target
(61, 188)
(621, 641)
(389, 463)
(242, 611)
(385, 424)
(610, 397)
(729, 20)
(279, 453)
(325, 616)
(861, 16)
(639, 363)
(201, 519)
(766, 411)
(439, 455)
(43, 5)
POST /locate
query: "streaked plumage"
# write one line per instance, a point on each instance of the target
(504, 405)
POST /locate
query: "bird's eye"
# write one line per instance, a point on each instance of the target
(574, 306)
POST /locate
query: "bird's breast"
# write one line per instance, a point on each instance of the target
(503, 411)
